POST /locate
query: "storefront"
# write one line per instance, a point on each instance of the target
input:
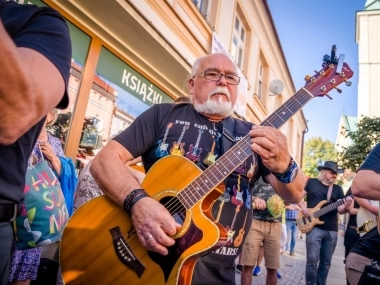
(119, 69)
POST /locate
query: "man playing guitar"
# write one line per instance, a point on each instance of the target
(322, 239)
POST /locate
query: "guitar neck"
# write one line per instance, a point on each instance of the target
(238, 153)
(328, 208)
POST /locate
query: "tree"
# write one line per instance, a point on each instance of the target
(316, 151)
(363, 140)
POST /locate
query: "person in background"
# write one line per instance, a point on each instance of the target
(213, 86)
(291, 227)
(29, 55)
(366, 185)
(24, 265)
(266, 229)
(322, 239)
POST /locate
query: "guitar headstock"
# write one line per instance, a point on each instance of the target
(328, 78)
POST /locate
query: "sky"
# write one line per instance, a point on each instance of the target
(307, 30)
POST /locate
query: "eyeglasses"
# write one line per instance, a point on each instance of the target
(213, 75)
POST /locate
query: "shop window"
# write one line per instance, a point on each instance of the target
(118, 95)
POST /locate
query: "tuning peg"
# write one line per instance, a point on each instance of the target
(348, 83)
(338, 89)
(329, 96)
(307, 77)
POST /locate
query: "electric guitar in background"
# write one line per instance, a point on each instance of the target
(306, 224)
(99, 244)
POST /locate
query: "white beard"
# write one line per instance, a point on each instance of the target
(212, 107)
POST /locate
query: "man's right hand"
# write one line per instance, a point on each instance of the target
(154, 225)
(260, 204)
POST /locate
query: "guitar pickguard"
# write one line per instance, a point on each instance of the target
(193, 235)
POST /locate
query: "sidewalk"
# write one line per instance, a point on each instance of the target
(293, 267)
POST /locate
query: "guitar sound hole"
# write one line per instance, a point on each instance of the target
(175, 207)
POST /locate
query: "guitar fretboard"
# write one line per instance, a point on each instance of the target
(228, 162)
(328, 208)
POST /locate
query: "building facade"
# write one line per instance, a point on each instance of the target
(368, 40)
(131, 54)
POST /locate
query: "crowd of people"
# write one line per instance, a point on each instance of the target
(267, 191)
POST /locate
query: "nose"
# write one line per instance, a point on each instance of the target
(222, 80)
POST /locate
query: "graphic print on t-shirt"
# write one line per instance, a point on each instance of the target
(223, 199)
(210, 158)
(177, 148)
(194, 153)
(237, 198)
(162, 149)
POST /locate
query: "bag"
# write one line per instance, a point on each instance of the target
(43, 214)
(371, 274)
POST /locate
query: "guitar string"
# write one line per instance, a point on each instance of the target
(175, 205)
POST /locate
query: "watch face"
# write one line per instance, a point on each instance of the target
(294, 174)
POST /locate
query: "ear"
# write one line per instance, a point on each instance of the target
(191, 84)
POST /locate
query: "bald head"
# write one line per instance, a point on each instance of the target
(199, 64)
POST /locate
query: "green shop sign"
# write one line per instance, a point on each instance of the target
(124, 76)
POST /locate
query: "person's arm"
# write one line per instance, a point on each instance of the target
(364, 203)
(149, 217)
(347, 206)
(48, 152)
(353, 211)
(366, 184)
(30, 86)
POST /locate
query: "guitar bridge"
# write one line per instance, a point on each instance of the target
(124, 252)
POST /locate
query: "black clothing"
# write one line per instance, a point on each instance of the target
(351, 236)
(156, 132)
(45, 31)
(317, 192)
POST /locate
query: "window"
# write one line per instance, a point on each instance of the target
(202, 6)
(260, 82)
(238, 42)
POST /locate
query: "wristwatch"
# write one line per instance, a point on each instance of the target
(289, 174)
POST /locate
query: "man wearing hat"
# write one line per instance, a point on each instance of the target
(321, 240)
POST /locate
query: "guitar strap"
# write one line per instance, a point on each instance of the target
(329, 192)
(228, 130)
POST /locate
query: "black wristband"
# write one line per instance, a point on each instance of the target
(132, 198)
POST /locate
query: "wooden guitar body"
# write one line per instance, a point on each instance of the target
(99, 244)
(306, 224)
(365, 220)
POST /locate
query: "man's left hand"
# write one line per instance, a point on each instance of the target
(347, 203)
(272, 147)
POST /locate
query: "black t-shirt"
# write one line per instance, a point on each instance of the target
(352, 220)
(372, 161)
(317, 192)
(44, 30)
(165, 128)
(369, 244)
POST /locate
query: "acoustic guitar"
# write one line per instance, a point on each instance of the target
(365, 220)
(100, 246)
